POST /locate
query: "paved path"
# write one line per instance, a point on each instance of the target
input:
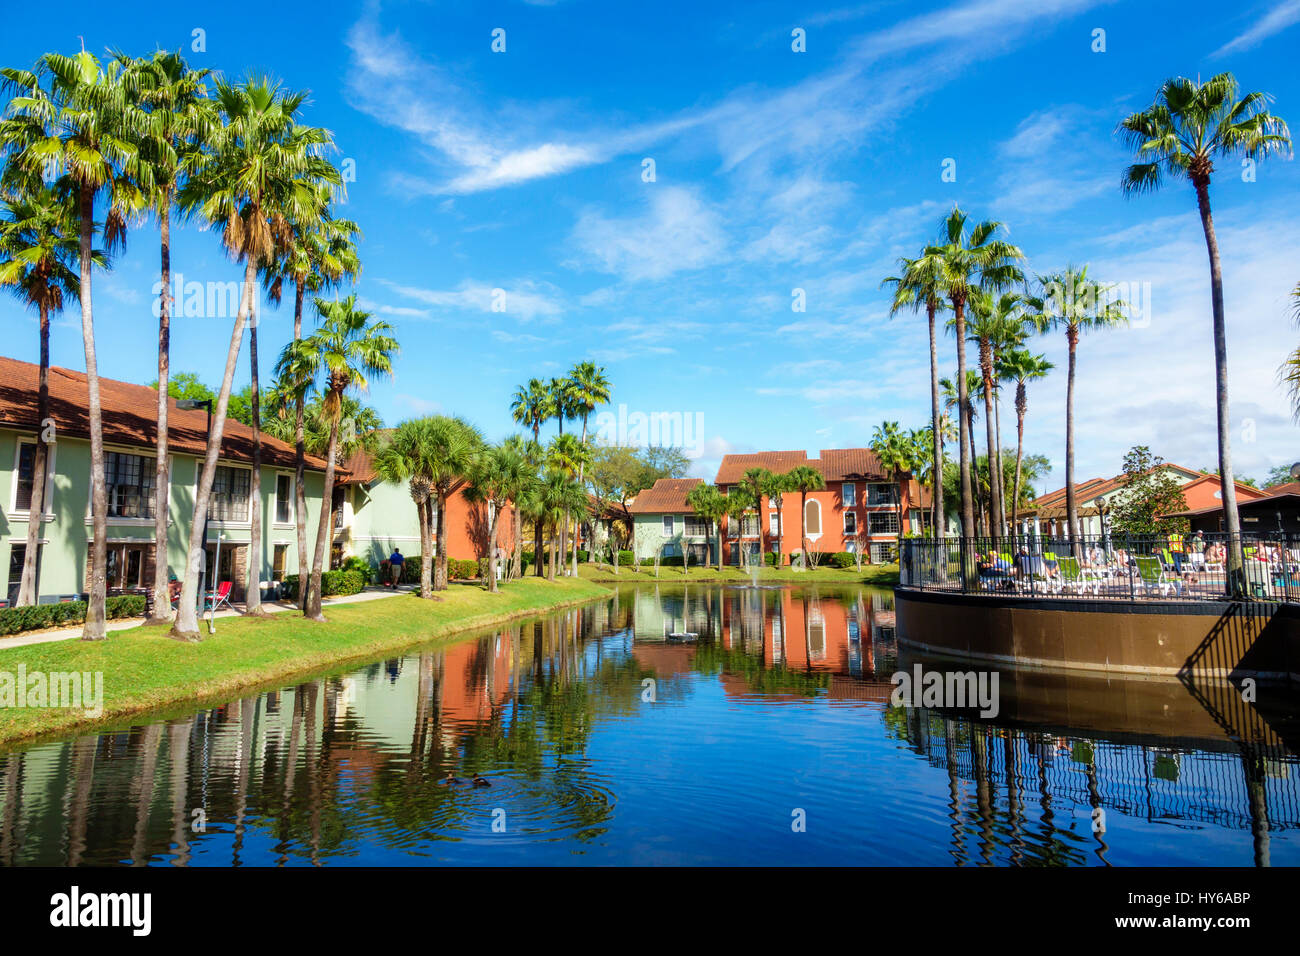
(271, 607)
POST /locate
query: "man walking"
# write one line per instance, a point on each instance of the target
(395, 562)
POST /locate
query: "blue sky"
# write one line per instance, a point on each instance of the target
(774, 170)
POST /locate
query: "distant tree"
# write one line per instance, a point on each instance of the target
(187, 385)
(1147, 494)
(1279, 474)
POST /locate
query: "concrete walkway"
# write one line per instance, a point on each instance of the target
(271, 607)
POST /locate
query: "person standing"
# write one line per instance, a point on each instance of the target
(395, 563)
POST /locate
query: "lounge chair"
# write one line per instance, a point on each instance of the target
(219, 600)
(1077, 578)
(1153, 576)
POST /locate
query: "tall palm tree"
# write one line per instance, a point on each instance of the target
(711, 505)
(38, 255)
(569, 455)
(560, 497)
(967, 260)
(1073, 301)
(803, 479)
(83, 129)
(562, 405)
(260, 174)
(531, 406)
(964, 411)
(740, 500)
(179, 119)
(1188, 127)
(994, 321)
(317, 254)
(403, 459)
(495, 476)
(919, 286)
(894, 450)
(589, 389)
(755, 482)
(775, 487)
(1022, 367)
(345, 351)
(454, 444)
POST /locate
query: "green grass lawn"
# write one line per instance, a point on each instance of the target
(882, 575)
(144, 669)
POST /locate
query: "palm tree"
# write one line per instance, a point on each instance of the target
(919, 286)
(1070, 300)
(403, 458)
(589, 389)
(179, 120)
(560, 497)
(893, 449)
(994, 321)
(711, 505)
(454, 444)
(740, 500)
(345, 351)
(1188, 127)
(1289, 372)
(532, 406)
(803, 479)
(967, 260)
(318, 254)
(755, 481)
(495, 477)
(260, 175)
(569, 455)
(82, 129)
(38, 254)
(775, 487)
(1021, 367)
(562, 404)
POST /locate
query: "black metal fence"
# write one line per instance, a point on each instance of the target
(1107, 567)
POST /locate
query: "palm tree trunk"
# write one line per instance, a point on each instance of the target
(967, 498)
(538, 558)
(803, 530)
(162, 604)
(997, 450)
(517, 559)
(97, 586)
(27, 586)
(564, 540)
(440, 571)
(491, 569)
(1071, 502)
(427, 549)
(300, 460)
(187, 625)
(324, 530)
(1020, 450)
(936, 478)
(1232, 520)
(995, 505)
(253, 599)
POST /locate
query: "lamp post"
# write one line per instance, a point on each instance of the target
(191, 405)
(1100, 503)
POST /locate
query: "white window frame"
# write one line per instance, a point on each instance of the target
(221, 463)
(848, 494)
(667, 525)
(25, 514)
(140, 453)
(814, 535)
(851, 515)
(275, 501)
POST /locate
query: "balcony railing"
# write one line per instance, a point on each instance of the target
(1106, 567)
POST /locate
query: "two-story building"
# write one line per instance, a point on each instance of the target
(129, 415)
(858, 510)
(664, 524)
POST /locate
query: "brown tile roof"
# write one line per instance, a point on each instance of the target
(667, 495)
(129, 413)
(1052, 504)
(835, 464)
(1286, 488)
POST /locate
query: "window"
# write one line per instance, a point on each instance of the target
(847, 494)
(748, 526)
(229, 500)
(882, 493)
(850, 522)
(284, 499)
(696, 527)
(813, 517)
(130, 481)
(127, 566)
(278, 560)
(668, 526)
(882, 553)
(17, 555)
(882, 522)
(26, 475)
(774, 522)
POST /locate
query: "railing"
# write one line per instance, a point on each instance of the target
(1106, 567)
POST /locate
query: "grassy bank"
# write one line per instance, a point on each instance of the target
(880, 575)
(144, 669)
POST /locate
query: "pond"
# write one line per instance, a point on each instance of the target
(671, 724)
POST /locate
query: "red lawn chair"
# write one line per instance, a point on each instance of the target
(222, 598)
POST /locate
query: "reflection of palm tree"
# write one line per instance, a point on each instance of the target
(178, 753)
(142, 788)
(13, 797)
(83, 777)
(247, 715)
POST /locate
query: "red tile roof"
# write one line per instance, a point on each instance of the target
(665, 496)
(129, 413)
(835, 464)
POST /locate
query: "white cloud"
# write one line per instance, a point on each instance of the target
(1273, 22)
(523, 299)
(678, 232)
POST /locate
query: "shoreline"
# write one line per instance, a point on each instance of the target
(158, 672)
(887, 577)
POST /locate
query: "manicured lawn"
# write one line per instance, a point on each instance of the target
(883, 575)
(144, 669)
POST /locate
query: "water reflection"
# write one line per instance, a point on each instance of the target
(763, 701)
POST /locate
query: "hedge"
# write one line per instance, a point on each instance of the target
(35, 617)
(331, 582)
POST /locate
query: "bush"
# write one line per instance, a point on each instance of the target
(331, 582)
(458, 570)
(843, 560)
(771, 559)
(626, 559)
(361, 566)
(14, 620)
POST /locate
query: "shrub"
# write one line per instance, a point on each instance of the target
(626, 559)
(843, 560)
(458, 570)
(14, 620)
(360, 565)
(771, 559)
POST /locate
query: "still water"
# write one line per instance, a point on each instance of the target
(761, 734)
